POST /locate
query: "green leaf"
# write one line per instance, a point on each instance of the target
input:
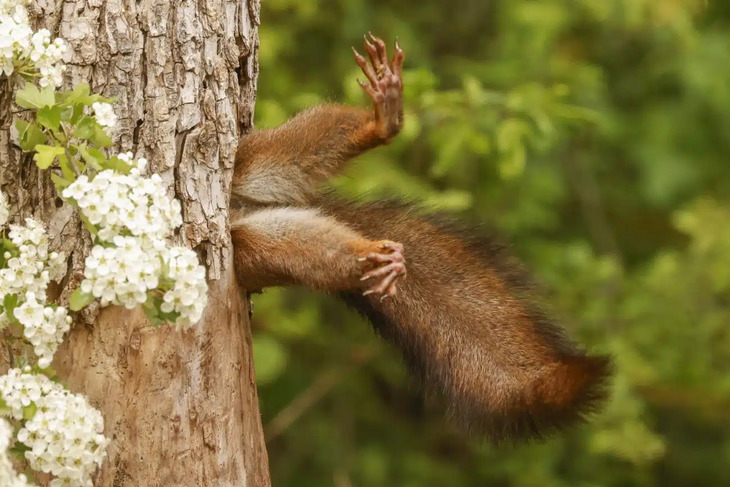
(512, 163)
(45, 154)
(85, 128)
(31, 97)
(29, 135)
(116, 164)
(9, 301)
(88, 129)
(9, 304)
(67, 113)
(68, 173)
(94, 157)
(151, 308)
(60, 182)
(96, 154)
(21, 126)
(511, 133)
(156, 316)
(77, 113)
(9, 246)
(49, 371)
(81, 94)
(101, 138)
(449, 152)
(18, 451)
(153, 316)
(90, 227)
(4, 409)
(79, 299)
(170, 317)
(29, 411)
(50, 117)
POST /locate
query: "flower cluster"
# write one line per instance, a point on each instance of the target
(123, 274)
(13, 8)
(43, 326)
(133, 215)
(126, 273)
(29, 267)
(62, 431)
(19, 389)
(187, 297)
(7, 474)
(104, 114)
(32, 267)
(15, 33)
(46, 56)
(21, 48)
(126, 204)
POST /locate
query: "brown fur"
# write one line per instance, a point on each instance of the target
(312, 146)
(465, 317)
(470, 330)
(278, 246)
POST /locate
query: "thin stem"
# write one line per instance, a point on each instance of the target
(71, 161)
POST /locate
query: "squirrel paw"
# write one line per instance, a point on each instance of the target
(390, 266)
(386, 84)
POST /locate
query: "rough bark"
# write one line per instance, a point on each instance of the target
(180, 407)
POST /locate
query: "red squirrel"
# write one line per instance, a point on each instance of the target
(457, 306)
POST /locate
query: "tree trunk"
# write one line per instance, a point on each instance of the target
(180, 407)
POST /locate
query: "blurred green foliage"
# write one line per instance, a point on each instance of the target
(593, 135)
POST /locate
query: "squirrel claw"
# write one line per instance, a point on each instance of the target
(396, 247)
(386, 287)
(394, 267)
(389, 268)
(385, 87)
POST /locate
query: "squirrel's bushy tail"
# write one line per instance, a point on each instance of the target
(470, 331)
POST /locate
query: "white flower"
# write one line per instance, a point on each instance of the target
(14, 7)
(104, 114)
(120, 204)
(19, 43)
(46, 57)
(30, 313)
(19, 390)
(15, 34)
(8, 476)
(64, 436)
(189, 293)
(126, 273)
(134, 215)
(33, 267)
(122, 274)
(26, 276)
(43, 326)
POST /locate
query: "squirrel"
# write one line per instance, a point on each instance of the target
(464, 318)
